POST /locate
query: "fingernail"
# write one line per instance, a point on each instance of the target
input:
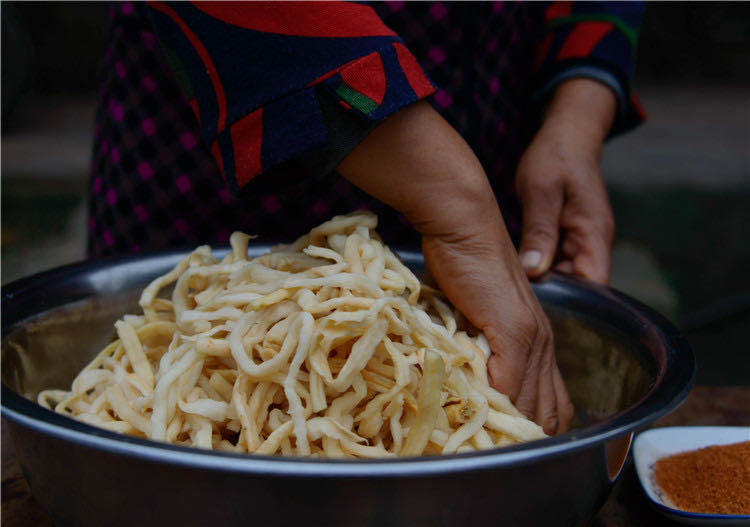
(531, 259)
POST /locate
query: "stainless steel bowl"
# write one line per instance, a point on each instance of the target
(624, 365)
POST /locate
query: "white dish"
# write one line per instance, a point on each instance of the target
(655, 444)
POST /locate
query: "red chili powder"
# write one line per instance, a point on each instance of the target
(712, 480)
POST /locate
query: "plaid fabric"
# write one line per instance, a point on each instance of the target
(155, 184)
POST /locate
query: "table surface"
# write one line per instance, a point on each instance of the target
(626, 507)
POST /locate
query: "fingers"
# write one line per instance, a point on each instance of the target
(589, 259)
(587, 240)
(506, 370)
(585, 248)
(529, 376)
(528, 398)
(481, 276)
(542, 205)
(525, 372)
(593, 260)
(547, 406)
(565, 409)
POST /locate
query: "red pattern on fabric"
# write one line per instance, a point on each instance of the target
(367, 76)
(331, 73)
(414, 74)
(558, 10)
(583, 39)
(145, 213)
(542, 51)
(247, 139)
(304, 19)
(221, 99)
(216, 152)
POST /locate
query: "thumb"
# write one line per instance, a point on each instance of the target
(541, 224)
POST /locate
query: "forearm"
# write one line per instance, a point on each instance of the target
(418, 164)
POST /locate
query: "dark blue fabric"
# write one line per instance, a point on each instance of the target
(630, 12)
(173, 38)
(614, 50)
(291, 125)
(227, 155)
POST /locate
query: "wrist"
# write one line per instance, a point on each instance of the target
(583, 110)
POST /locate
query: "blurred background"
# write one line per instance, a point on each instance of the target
(679, 185)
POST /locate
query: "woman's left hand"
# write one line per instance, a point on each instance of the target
(567, 219)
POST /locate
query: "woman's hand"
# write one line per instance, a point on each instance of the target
(417, 163)
(567, 219)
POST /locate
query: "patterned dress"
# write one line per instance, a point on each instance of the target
(219, 116)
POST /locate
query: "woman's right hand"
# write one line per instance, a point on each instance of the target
(417, 163)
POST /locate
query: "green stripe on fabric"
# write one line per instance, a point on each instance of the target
(630, 32)
(361, 102)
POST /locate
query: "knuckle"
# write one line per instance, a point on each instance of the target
(525, 406)
(511, 341)
(524, 331)
(528, 324)
(545, 328)
(544, 333)
(547, 364)
(549, 421)
(522, 319)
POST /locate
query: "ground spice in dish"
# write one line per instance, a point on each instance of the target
(712, 480)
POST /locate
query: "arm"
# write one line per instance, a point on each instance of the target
(259, 76)
(585, 66)
(419, 165)
(413, 161)
(592, 40)
(567, 219)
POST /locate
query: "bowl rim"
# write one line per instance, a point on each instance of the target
(673, 382)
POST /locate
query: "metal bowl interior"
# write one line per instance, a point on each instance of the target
(623, 364)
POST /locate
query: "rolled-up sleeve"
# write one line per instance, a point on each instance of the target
(596, 40)
(269, 82)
